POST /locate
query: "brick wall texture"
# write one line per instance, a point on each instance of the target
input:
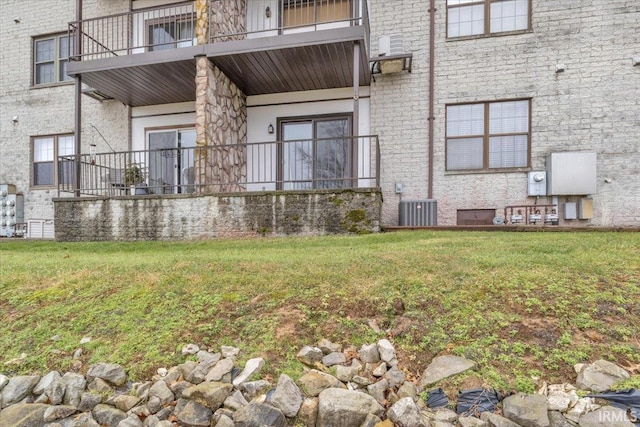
(594, 105)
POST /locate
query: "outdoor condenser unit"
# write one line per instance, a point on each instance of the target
(418, 213)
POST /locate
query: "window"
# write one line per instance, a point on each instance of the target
(50, 58)
(170, 33)
(316, 153)
(307, 12)
(490, 135)
(485, 17)
(46, 150)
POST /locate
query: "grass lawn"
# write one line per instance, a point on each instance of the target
(522, 305)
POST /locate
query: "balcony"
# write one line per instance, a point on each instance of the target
(331, 164)
(146, 56)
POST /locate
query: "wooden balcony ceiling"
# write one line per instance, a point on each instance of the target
(284, 63)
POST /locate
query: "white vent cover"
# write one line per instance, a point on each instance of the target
(390, 45)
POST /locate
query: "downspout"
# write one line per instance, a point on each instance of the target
(432, 31)
(77, 136)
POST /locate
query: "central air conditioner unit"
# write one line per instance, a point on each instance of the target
(418, 213)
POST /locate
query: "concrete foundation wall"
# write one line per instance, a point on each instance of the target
(205, 217)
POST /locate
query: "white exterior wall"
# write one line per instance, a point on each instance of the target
(46, 110)
(399, 103)
(594, 105)
(158, 116)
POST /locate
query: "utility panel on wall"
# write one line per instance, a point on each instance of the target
(571, 173)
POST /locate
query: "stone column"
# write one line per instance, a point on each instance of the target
(221, 111)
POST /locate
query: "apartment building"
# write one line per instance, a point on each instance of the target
(152, 119)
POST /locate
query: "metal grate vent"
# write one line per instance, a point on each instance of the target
(418, 213)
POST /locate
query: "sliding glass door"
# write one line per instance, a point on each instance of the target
(171, 161)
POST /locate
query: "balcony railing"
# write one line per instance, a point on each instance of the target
(173, 26)
(313, 164)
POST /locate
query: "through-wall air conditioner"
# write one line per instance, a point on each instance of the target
(389, 45)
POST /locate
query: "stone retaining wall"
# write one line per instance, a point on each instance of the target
(204, 217)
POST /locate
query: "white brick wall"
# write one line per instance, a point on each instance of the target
(594, 105)
(47, 110)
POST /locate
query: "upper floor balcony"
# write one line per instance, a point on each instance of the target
(146, 56)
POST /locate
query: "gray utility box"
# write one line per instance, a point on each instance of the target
(418, 213)
(571, 173)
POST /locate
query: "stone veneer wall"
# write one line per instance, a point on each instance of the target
(221, 108)
(206, 217)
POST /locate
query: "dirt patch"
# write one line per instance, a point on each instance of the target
(542, 331)
(290, 320)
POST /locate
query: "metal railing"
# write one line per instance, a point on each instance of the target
(266, 18)
(172, 26)
(311, 164)
(138, 31)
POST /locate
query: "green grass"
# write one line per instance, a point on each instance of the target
(522, 305)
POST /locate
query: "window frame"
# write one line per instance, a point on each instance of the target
(486, 138)
(176, 20)
(57, 60)
(487, 20)
(292, 4)
(313, 119)
(56, 150)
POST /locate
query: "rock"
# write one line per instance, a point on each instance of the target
(74, 386)
(380, 370)
(310, 355)
(88, 401)
(110, 372)
(560, 400)
(235, 401)
(368, 353)
(151, 421)
(58, 412)
(190, 349)
(328, 347)
(361, 381)
(46, 381)
(377, 391)
(314, 382)
(606, 416)
(371, 421)
(445, 415)
(85, 340)
(209, 394)
(394, 376)
(600, 376)
(154, 405)
(494, 420)
(556, 419)
(193, 414)
(255, 388)
(4, 380)
(471, 422)
(345, 373)
(443, 367)
(405, 411)
(165, 423)
(23, 415)
(77, 354)
(17, 389)
(528, 410)
(187, 368)
(408, 389)
(160, 390)
(220, 369)
(125, 402)
(205, 356)
(130, 421)
(200, 372)
(582, 406)
(179, 387)
(338, 407)
(55, 392)
(252, 367)
(81, 420)
(308, 413)
(99, 386)
(108, 415)
(228, 351)
(386, 350)
(334, 358)
(224, 421)
(259, 415)
(287, 397)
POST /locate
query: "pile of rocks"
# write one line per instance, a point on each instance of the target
(340, 387)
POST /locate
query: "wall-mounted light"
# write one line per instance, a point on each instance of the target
(14, 119)
(559, 68)
(17, 19)
(267, 12)
(270, 128)
(635, 60)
